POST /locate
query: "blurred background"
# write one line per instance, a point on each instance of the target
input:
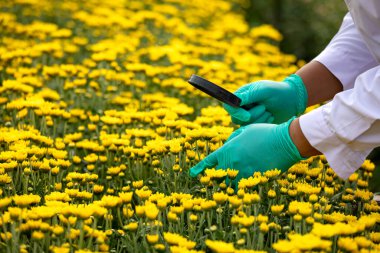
(307, 25)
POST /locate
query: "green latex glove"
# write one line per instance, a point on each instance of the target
(256, 147)
(283, 100)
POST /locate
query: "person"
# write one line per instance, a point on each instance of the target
(346, 75)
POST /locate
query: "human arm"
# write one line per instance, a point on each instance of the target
(334, 70)
(320, 83)
(346, 129)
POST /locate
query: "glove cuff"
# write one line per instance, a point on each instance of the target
(293, 154)
(296, 82)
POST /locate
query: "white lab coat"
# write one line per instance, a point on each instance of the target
(347, 128)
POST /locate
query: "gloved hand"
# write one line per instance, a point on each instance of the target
(256, 147)
(283, 100)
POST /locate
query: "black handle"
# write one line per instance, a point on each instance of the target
(216, 91)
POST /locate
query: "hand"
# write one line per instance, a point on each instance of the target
(270, 101)
(256, 147)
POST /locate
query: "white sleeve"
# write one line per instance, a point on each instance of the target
(347, 56)
(346, 129)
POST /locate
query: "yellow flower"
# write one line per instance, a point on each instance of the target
(159, 246)
(305, 211)
(297, 217)
(240, 242)
(296, 207)
(138, 184)
(375, 237)
(302, 243)
(176, 239)
(5, 179)
(363, 242)
(271, 194)
(235, 201)
(131, 226)
(251, 198)
(91, 158)
(38, 235)
(205, 180)
(353, 177)
(14, 212)
(368, 166)
(362, 183)
(347, 244)
(310, 220)
(59, 154)
(109, 201)
(243, 231)
(177, 209)
(208, 204)
(272, 173)
(113, 170)
(172, 217)
(76, 159)
(220, 197)
(57, 230)
(213, 173)
(264, 228)
(175, 146)
(99, 188)
(232, 173)
(140, 211)
(58, 196)
(220, 246)
(56, 249)
(193, 217)
(248, 182)
(6, 236)
(143, 194)
(126, 197)
(4, 202)
(151, 211)
(152, 238)
(277, 209)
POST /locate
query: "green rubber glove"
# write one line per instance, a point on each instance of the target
(283, 100)
(256, 147)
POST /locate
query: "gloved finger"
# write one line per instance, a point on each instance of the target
(243, 88)
(253, 94)
(238, 122)
(257, 113)
(264, 118)
(237, 112)
(208, 162)
(235, 133)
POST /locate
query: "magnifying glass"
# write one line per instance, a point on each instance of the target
(216, 91)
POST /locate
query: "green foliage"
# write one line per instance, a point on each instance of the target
(307, 25)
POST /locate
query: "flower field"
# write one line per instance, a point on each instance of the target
(99, 127)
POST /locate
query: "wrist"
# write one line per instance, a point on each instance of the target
(296, 83)
(302, 144)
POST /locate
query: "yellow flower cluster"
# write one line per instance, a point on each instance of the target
(98, 128)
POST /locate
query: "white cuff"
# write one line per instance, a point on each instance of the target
(342, 159)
